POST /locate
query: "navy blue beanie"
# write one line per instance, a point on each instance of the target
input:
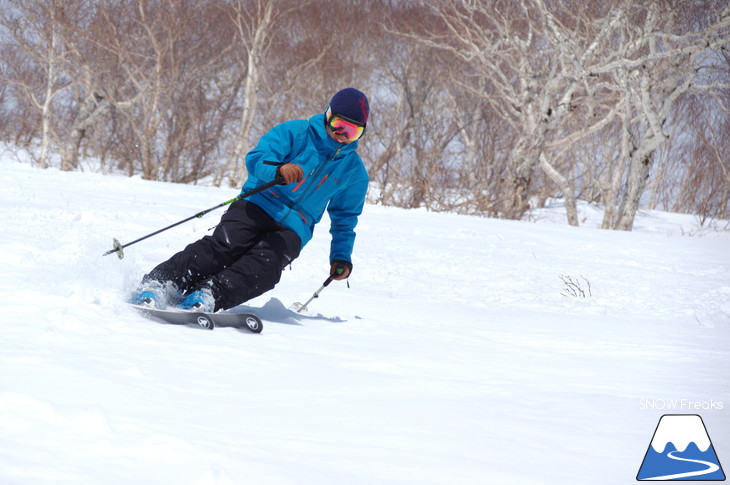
(352, 104)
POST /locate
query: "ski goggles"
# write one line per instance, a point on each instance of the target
(341, 125)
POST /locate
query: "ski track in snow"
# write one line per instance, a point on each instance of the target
(452, 358)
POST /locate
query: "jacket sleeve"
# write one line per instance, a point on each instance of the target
(273, 149)
(344, 210)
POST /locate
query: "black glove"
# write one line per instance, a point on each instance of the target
(339, 269)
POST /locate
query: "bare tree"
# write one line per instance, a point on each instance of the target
(158, 79)
(256, 23)
(694, 173)
(535, 57)
(89, 111)
(664, 46)
(558, 71)
(33, 27)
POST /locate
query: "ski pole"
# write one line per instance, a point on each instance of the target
(119, 247)
(339, 270)
(316, 295)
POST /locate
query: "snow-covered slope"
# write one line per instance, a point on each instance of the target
(453, 358)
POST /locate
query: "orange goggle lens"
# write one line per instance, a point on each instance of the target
(342, 126)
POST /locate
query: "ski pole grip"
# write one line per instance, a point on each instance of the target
(327, 281)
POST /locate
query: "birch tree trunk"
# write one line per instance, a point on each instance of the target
(93, 108)
(571, 205)
(46, 105)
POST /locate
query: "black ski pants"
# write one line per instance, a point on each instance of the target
(242, 259)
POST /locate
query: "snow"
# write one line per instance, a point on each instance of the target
(453, 358)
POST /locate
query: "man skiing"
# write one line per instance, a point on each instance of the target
(318, 168)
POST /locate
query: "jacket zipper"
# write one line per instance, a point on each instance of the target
(313, 176)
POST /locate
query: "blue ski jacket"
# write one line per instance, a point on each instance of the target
(334, 179)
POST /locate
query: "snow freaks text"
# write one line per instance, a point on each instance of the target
(680, 405)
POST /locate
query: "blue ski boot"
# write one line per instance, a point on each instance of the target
(149, 294)
(198, 301)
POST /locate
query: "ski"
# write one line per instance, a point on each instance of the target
(246, 321)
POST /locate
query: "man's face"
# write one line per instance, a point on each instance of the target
(343, 130)
(340, 138)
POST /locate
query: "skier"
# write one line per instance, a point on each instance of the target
(318, 168)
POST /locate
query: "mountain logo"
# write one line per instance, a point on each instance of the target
(681, 450)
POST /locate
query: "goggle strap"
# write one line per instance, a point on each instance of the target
(328, 116)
